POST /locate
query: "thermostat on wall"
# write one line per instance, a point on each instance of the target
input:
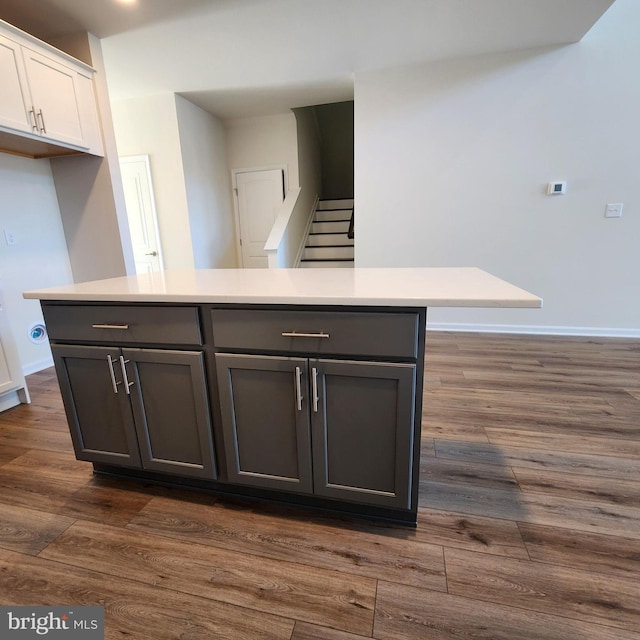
(556, 188)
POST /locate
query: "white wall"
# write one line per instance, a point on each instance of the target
(208, 187)
(39, 258)
(89, 189)
(452, 161)
(263, 142)
(149, 126)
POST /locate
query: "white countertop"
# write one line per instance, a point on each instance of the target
(418, 287)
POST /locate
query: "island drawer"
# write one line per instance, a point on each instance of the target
(123, 324)
(376, 334)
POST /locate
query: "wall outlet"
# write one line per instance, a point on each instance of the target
(613, 210)
(9, 236)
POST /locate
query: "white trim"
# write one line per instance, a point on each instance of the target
(38, 365)
(9, 400)
(551, 330)
(306, 232)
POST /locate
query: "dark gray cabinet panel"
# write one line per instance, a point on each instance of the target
(265, 421)
(123, 324)
(170, 405)
(100, 420)
(344, 333)
(339, 429)
(137, 407)
(362, 425)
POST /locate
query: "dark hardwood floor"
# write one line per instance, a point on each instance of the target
(529, 520)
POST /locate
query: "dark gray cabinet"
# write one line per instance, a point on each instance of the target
(333, 428)
(100, 420)
(265, 421)
(131, 401)
(137, 407)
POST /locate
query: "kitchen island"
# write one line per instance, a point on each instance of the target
(295, 385)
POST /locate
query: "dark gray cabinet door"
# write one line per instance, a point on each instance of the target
(362, 424)
(170, 404)
(265, 421)
(97, 407)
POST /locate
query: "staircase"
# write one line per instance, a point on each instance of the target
(330, 243)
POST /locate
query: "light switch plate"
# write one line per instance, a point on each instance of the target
(613, 210)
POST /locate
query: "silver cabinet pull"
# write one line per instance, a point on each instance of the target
(112, 373)
(32, 117)
(299, 388)
(151, 253)
(127, 384)
(314, 389)
(295, 334)
(42, 128)
(122, 327)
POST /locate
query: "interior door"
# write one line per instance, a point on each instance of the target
(260, 195)
(141, 213)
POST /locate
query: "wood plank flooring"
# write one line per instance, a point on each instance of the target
(528, 526)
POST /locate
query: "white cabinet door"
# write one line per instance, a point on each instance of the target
(14, 96)
(55, 98)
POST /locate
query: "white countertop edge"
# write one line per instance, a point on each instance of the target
(396, 287)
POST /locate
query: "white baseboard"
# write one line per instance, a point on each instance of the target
(9, 400)
(543, 330)
(38, 365)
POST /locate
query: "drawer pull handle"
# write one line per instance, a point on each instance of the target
(299, 388)
(122, 327)
(295, 334)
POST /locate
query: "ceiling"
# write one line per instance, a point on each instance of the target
(239, 58)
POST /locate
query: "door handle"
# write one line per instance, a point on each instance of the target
(127, 384)
(112, 373)
(299, 388)
(314, 389)
(42, 128)
(32, 117)
(151, 253)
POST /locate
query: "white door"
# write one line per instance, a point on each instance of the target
(141, 213)
(260, 195)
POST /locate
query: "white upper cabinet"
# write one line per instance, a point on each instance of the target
(14, 92)
(45, 96)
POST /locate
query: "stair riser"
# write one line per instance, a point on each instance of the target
(335, 204)
(330, 227)
(325, 239)
(338, 214)
(327, 265)
(328, 253)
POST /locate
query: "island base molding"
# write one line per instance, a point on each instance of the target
(247, 496)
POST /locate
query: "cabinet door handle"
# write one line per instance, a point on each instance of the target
(295, 334)
(127, 384)
(32, 117)
(122, 327)
(299, 388)
(314, 389)
(42, 128)
(112, 373)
